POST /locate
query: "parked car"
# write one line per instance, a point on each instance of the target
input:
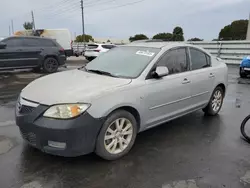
(62, 36)
(101, 107)
(94, 50)
(245, 67)
(31, 52)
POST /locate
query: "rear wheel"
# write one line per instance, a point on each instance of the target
(117, 135)
(245, 128)
(215, 102)
(50, 65)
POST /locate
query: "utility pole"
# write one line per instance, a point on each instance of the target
(12, 26)
(83, 29)
(33, 20)
(9, 31)
(248, 30)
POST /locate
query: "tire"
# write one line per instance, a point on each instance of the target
(242, 128)
(109, 129)
(50, 65)
(242, 74)
(210, 109)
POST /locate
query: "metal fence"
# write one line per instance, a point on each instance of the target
(231, 52)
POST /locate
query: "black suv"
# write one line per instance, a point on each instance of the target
(31, 52)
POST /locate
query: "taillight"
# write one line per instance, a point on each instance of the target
(97, 50)
(61, 50)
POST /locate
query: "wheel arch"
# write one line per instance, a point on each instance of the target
(131, 110)
(50, 56)
(223, 87)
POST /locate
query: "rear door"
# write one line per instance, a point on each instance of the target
(32, 49)
(11, 56)
(202, 78)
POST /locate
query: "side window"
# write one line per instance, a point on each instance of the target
(199, 59)
(30, 42)
(47, 43)
(108, 46)
(14, 42)
(175, 60)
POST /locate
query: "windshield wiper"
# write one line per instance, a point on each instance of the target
(101, 72)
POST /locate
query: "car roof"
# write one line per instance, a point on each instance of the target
(30, 37)
(160, 44)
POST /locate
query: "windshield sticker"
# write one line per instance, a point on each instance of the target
(146, 53)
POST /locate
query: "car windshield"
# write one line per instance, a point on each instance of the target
(125, 61)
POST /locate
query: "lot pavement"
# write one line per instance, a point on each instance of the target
(191, 152)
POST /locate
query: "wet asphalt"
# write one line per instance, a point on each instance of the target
(194, 151)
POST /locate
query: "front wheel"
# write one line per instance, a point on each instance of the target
(215, 102)
(245, 128)
(117, 135)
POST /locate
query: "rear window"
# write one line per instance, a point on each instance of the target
(108, 46)
(92, 46)
(47, 43)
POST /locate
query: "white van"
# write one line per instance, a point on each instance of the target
(62, 36)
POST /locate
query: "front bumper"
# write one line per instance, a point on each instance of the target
(79, 133)
(245, 70)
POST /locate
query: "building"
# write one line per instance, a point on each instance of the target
(248, 30)
(111, 40)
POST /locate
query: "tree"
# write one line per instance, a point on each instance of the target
(178, 34)
(28, 25)
(108, 41)
(195, 39)
(237, 30)
(138, 37)
(88, 38)
(164, 36)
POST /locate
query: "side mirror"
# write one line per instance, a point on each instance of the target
(2, 45)
(160, 71)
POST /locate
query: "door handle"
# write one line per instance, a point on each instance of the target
(186, 81)
(211, 75)
(41, 48)
(19, 50)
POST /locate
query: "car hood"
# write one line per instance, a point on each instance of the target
(70, 87)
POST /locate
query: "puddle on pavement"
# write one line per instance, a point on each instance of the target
(182, 184)
(5, 145)
(246, 178)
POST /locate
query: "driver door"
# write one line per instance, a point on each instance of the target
(169, 96)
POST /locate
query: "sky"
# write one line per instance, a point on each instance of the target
(121, 19)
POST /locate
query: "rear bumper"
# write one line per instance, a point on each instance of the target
(91, 54)
(62, 60)
(78, 134)
(69, 53)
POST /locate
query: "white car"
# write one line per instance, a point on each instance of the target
(94, 50)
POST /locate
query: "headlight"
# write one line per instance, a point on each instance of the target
(66, 111)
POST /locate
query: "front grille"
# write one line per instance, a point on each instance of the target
(29, 136)
(26, 109)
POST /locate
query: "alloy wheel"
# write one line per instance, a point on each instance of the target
(217, 100)
(118, 136)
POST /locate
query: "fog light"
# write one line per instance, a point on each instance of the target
(59, 145)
